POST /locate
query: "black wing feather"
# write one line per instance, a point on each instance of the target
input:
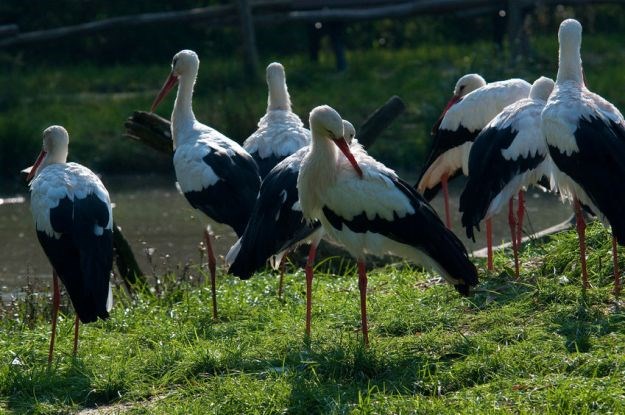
(599, 168)
(423, 230)
(489, 173)
(232, 198)
(265, 235)
(82, 259)
(445, 140)
(266, 164)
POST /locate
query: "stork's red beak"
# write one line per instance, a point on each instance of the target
(169, 84)
(35, 166)
(451, 102)
(342, 144)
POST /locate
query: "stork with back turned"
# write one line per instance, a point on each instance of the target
(367, 208)
(74, 222)
(280, 131)
(586, 139)
(216, 175)
(509, 154)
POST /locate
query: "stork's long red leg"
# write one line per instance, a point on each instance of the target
(520, 216)
(489, 244)
(362, 285)
(76, 329)
(446, 200)
(513, 236)
(212, 269)
(56, 300)
(581, 233)
(312, 253)
(617, 273)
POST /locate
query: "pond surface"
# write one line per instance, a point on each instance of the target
(161, 227)
(165, 232)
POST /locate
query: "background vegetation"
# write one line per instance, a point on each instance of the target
(91, 84)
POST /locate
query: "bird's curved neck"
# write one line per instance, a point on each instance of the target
(570, 63)
(55, 156)
(182, 115)
(279, 98)
(323, 159)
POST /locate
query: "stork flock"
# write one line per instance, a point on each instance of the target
(287, 185)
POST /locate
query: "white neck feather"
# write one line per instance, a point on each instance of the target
(279, 98)
(56, 155)
(318, 171)
(182, 117)
(570, 60)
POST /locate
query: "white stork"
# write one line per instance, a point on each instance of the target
(364, 206)
(216, 175)
(74, 224)
(472, 106)
(586, 139)
(277, 225)
(509, 154)
(280, 131)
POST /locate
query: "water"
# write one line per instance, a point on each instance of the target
(156, 218)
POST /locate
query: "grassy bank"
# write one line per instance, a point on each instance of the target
(93, 101)
(535, 345)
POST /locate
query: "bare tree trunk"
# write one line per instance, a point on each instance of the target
(515, 27)
(249, 39)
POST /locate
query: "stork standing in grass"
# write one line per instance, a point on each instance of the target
(277, 225)
(365, 207)
(216, 175)
(586, 139)
(74, 224)
(280, 131)
(509, 154)
(472, 106)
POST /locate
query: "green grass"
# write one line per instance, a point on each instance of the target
(537, 345)
(93, 101)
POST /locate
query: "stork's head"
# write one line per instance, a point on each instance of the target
(541, 88)
(275, 74)
(349, 132)
(326, 123)
(466, 84)
(570, 32)
(184, 64)
(53, 150)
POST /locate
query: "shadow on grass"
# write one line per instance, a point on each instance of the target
(337, 378)
(587, 320)
(32, 390)
(500, 290)
(580, 316)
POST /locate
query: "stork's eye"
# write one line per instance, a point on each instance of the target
(173, 63)
(462, 87)
(331, 134)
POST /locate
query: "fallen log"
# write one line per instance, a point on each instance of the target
(126, 262)
(154, 131)
(379, 120)
(150, 129)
